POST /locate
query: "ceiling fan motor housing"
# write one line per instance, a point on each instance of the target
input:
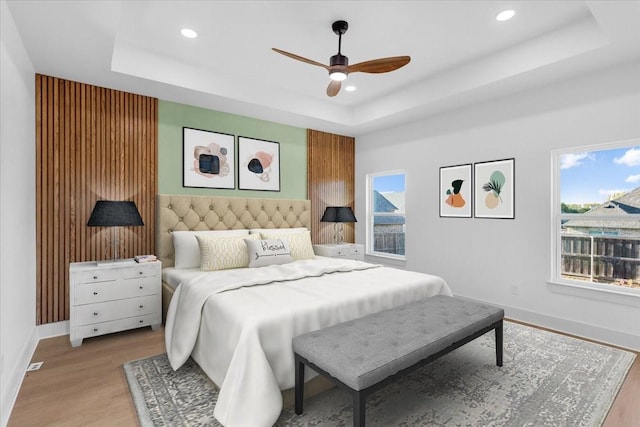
(339, 61)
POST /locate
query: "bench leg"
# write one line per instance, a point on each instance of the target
(499, 344)
(299, 391)
(359, 406)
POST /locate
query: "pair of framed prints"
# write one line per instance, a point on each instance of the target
(209, 161)
(481, 190)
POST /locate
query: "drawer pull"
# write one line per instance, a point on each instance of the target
(140, 272)
(95, 293)
(95, 329)
(141, 287)
(141, 321)
(95, 313)
(142, 306)
(95, 277)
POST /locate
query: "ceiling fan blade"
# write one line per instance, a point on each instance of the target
(300, 58)
(382, 65)
(333, 88)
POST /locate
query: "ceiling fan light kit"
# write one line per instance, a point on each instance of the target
(337, 76)
(339, 67)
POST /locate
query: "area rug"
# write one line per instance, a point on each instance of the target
(547, 379)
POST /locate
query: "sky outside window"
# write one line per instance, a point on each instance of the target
(593, 176)
(389, 183)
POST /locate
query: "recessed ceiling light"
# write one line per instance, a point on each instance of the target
(189, 33)
(505, 15)
(350, 88)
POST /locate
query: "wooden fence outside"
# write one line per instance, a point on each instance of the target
(388, 242)
(600, 258)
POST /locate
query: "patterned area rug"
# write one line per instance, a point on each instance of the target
(547, 380)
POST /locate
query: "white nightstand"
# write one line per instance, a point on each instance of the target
(344, 250)
(113, 297)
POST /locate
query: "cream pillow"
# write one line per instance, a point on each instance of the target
(186, 249)
(268, 252)
(301, 247)
(221, 253)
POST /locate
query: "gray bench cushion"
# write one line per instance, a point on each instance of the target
(365, 351)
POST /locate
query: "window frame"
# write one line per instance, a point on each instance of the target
(559, 284)
(369, 239)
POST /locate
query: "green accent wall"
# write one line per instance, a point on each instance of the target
(172, 117)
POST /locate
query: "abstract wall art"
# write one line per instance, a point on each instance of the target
(208, 159)
(258, 164)
(455, 191)
(494, 192)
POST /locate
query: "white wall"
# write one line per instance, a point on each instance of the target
(17, 212)
(484, 259)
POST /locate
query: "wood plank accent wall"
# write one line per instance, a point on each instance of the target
(330, 180)
(92, 144)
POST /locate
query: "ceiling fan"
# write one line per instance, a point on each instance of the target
(339, 66)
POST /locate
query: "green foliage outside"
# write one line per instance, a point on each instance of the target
(565, 208)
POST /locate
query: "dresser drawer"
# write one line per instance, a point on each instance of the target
(150, 269)
(344, 251)
(95, 276)
(88, 293)
(105, 311)
(110, 274)
(115, 326)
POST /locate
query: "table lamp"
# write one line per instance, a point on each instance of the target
(338, 215)
(109, 213)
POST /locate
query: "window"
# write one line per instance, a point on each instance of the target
(385, 214)
(596, 217)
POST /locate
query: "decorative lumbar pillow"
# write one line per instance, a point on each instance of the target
(301, 247)
(186, 249)
(268, 252)
(221, 253)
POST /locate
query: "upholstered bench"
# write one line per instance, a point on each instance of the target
(365, 354)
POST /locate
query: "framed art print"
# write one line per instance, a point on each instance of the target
(494, 189)
(455, 191)
(208, 159)
(258, 164)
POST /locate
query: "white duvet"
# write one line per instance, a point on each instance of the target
(238, 324)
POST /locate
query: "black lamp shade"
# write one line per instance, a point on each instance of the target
(338, 214)
(108, 213)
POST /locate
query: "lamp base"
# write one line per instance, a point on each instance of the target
(338, 236)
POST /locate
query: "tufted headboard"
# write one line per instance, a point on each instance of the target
(181, 212)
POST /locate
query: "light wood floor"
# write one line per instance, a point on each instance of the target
(85, 386)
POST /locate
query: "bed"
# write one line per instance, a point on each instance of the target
(238, 323)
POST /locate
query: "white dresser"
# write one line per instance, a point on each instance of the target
(344, 250)
(113, 297)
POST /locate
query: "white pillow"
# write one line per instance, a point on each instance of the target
(268, 252)
(278, 230)
(301, 247)
(185, 245)
(222, 253)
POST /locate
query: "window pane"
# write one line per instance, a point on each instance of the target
(601, 251)
(387, 216)
(388, 193)
(601, 244)
(388, 234)
(588, 180)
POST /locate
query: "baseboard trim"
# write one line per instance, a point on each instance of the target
(50, 330)
(15, 381)
(571, 327)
